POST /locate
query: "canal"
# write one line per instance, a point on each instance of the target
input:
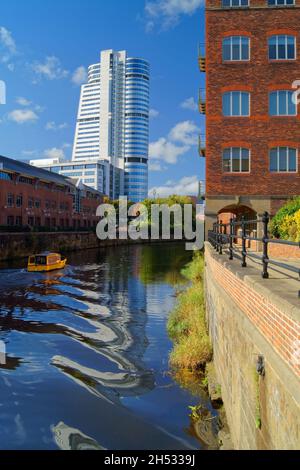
(86, 353)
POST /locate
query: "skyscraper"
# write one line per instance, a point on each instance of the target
(113, 121)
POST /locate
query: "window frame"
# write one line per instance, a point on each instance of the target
(240, 48)
(235, 6)
(240, 103)
(278, 105)
(287, 160)
(231, 172)
(283, 5)
(286, 36)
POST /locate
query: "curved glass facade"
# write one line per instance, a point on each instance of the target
(136, 129)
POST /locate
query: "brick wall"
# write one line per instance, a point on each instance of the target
(243, 324)
(259, 132)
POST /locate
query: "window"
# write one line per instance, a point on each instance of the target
(281, 103)
(19, 220)
(37, 203)
(235, 3)
(283, 159)
(10, 200)
(282, 47)
(19, 201)
(5, 176)
(281, 2)
(236, 48)
(10, 220)
(236, 103)
(236, 160)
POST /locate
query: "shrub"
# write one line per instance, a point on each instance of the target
(286, 223)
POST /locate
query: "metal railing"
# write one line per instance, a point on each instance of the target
(225, 233)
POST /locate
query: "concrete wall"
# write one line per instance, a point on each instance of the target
(21, 245)
(246, 319)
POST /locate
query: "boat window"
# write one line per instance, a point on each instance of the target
(40, 260)
(32, 260)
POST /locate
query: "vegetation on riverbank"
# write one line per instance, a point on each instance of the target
(286, 222)
(186, 325)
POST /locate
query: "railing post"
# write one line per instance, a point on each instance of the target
(220, 238)
(265, 257)
(231, 239)
(244, 253)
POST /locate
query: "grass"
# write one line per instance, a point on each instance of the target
(187, 326)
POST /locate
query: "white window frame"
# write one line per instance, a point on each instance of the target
(286, 103)
(282, 5)
(240, 103)
(288, 156)
(240, 51)
(235, 6)
(240, 150)
(286, 36)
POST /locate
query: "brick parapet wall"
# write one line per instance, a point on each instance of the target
(247, 319)
(279, 328)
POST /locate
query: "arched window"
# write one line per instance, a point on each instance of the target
(283, 159)
(236, 160)
(236, 48)
(236, 103)
(281, 103)
(282, 47)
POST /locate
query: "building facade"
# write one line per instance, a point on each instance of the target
(33, 197)
(113, 121)
(252, 122)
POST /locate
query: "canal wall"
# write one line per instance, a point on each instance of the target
(21, 245)
(250, 317)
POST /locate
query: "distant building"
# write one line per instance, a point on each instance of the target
(112, 129)
(113, 118)
(252, 124)
(34, 197)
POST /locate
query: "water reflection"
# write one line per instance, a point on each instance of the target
(93, 332)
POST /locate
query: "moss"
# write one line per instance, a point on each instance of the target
(257, 401)
(187, 325)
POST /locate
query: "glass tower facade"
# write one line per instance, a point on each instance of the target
(136, 129)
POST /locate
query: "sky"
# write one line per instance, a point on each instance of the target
(45, 49)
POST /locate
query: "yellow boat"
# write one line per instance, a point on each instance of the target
(46, 262)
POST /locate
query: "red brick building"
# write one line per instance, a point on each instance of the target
(252, 124)
(32, 197)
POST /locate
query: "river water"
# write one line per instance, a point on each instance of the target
(86, 363)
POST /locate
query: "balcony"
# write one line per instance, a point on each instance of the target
(202, 145)
(202, 101)
(201, 58)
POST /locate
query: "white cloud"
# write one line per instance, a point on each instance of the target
(80, 75)
(186, 186)
(7, 47)
(52, 126)
(153, 113)
(21, 116)
(190, 104)
(7, 40)
(165, 150)
(185, 132)
(29, 153)
(167, 13)
(156, 166)
(23, 101)
(179, 141)
(54, 152)
(51, 69)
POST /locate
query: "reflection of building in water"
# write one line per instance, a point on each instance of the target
(68, 438)
(120, 338)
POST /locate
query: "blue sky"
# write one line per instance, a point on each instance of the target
(45, 48)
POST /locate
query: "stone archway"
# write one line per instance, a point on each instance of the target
(237, 211)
